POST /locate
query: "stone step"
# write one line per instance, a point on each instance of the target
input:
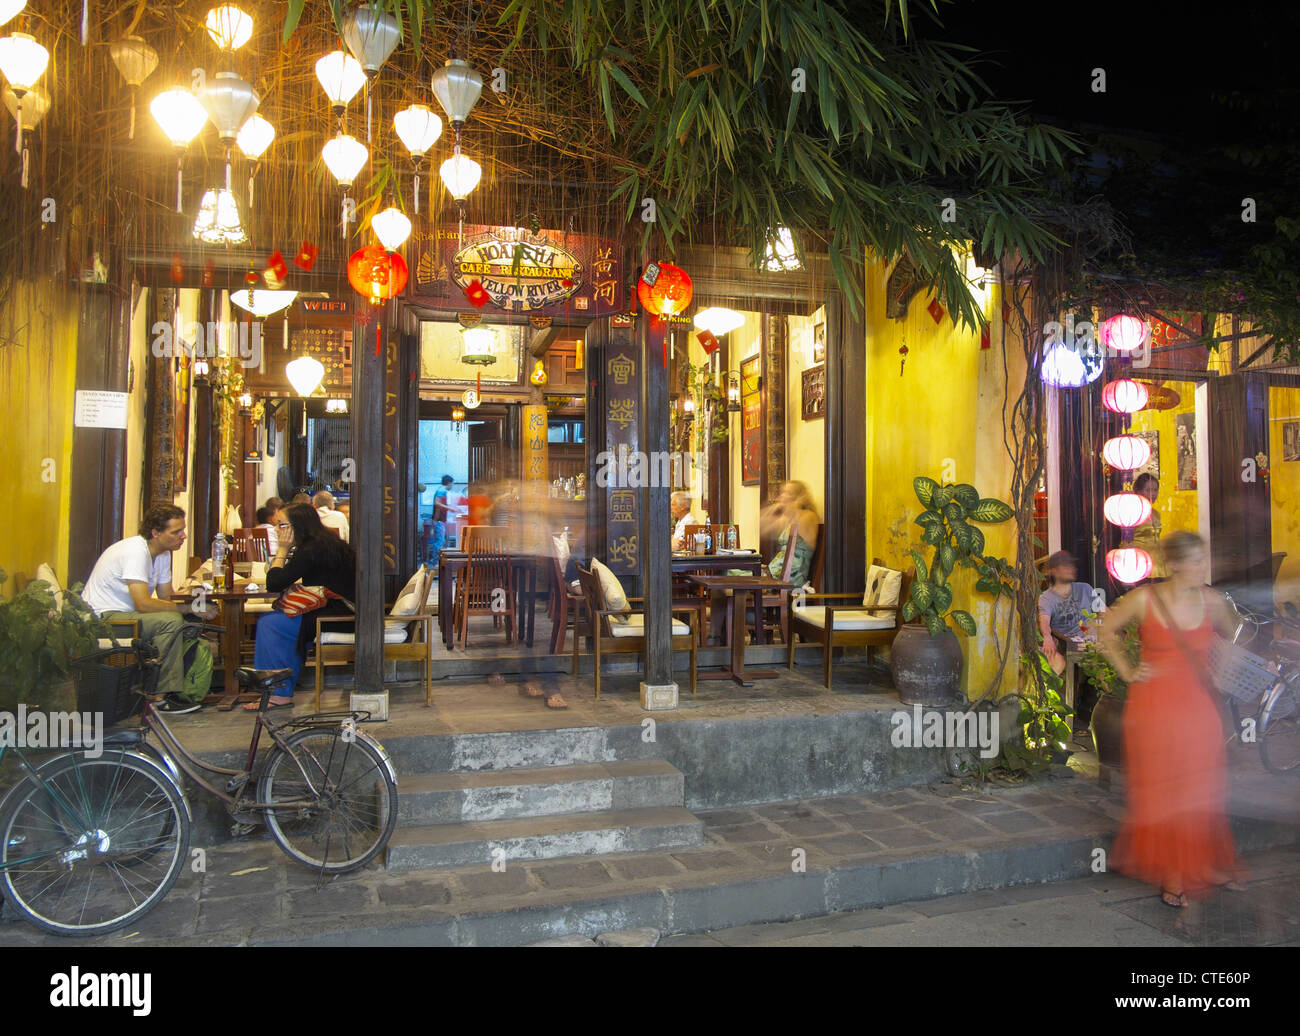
(448, 798)
(544, 838)
(512, 750)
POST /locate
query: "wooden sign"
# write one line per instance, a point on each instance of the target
(622, 429)
(534, 451)
(813, 403)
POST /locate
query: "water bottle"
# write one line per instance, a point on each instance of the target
(732, 540)
(219, 551)
(708, 535)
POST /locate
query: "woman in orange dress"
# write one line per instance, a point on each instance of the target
(1175, 834)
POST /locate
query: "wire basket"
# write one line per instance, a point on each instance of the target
(114, 686)
(1239, 673)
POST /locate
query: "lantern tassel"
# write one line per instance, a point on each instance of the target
(367, 112)
(85, 21)
(417, 194)
(130, 133)
(26, 156)
(250, 193)
(179, 182)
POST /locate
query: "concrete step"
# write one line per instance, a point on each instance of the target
(523, 749)
(544, 838)
(448, 798)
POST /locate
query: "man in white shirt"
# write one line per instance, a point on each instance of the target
(124, 583)
(680, 506)
(330, 518)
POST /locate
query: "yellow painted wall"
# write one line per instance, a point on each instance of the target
(1284, 492)
(1177, 507)
(743, 343)
(141, 339)
(805, 440)
(38, 368)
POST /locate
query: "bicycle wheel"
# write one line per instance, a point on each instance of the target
(345, 816)
(1279, 733)
(91, 845)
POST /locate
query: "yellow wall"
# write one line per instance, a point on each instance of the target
(742, 343)
(1177, 507)
(1284, 492)
(38, 368)
(141, 358)
(805, 440)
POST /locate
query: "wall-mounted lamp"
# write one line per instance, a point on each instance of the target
(733, 392)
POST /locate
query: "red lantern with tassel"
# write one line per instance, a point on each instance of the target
(377, 274)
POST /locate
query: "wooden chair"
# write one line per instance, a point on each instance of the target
(714, 531)
(488, 571)
(565, 604)
(616, 638)
(407, 636)
(845, 625)
(250, 545)
(779, 600)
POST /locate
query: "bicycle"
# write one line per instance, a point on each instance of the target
(1272, 684)
(89, 845)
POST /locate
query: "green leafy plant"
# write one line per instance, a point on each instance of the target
(1099, 669)
(40, 637)
(1045, 719)
(697, 382)
(946, 523)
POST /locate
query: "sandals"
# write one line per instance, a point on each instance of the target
(271, 703)
(531, 690)
(1173, 899)
(554, 701)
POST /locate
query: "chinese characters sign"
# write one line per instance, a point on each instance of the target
(622, 414)
(534, 451)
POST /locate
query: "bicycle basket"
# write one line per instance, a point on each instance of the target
(113, 686)
(1239, 673)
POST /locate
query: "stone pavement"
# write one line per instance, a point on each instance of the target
(766, 863)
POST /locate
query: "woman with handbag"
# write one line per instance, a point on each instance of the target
(313, 556)
(1175, 833)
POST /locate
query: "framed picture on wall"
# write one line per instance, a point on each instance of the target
(814, 393)
(819, 343)
(751, 422)
(1185, 425)
(1291, 440)
(1152, 466)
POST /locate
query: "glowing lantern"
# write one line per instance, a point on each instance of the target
(371, 35)
(345, 155)
(305, 374)
(1065, 368)
(340, 76)
(1124, 396)
(1126, 452)
(538, 377)
(255, 137)
(478, 346)
(9, 8)
(391, 227)
(229, 27)
(665, 289)
(419, 128)
(1123, 333)
(135, 60)
(1127, 510)
(1129, 564)
(377, 274)
(460, 175)
(718, 320)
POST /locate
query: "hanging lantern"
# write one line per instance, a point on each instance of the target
(261, 302)
(229, 27)
(377, 274)
(688, 406)
(1127, 510)
(229, 102)
(1126, 452)
(371, 35)
(336, 406)
(419, 128)
(538, 377)
(460, 175)
(200, 369)
(391, 227)
(457, 87)
(22, 62)
(35, 104)
(245, 404)
(345, 156)
(218, 220)
(1129, 564)
(478, 346)
(9, 8)
(733, 392)
(182, 118)
(135, 60)
(1123, 333)
(304, 374)
(254, 137)
(1124, 396)
(340, 76)
(1065, 368)
(780, 253)
(665, 289)
(718, 320)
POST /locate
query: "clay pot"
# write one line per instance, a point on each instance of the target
(926, 669)
(1108, 731)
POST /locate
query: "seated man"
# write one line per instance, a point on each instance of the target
(266, 520)
(1060, 612)
(330, 518)
(122, 586)
(680, 507)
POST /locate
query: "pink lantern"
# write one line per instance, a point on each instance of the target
(1123, 333)
(1127, 510)
(1126, 452)
(1124, 396)
(1129, 564)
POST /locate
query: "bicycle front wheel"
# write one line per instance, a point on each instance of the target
(1279, 732)
(91, 845)
(342, 814)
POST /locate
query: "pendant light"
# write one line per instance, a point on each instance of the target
(391, 227)
(1066, 368)
(1123, 333)
(371, 35)
(260, 302)
(229, 27)
(230, 102)
(1129, 564)
(340, 76)
(1127, 510)
(22, 62)
(35, 104)
(457, 87)
(182, 118)
(304, 374)
(478, 346)
(253, 139)
(218, 220)
(135, 61)
(1126, 452)
(780, 253)
(9, 8)
(1124, 396)
(460, 174)
(718, 320)
(419, 128)
(345, 155)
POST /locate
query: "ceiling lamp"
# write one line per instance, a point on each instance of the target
(458, 416)
(478, 345)
(181, 117)
(22, 62)
(665, 289)
(1126, 452)
(780, 253)
(260, 302)
(35, 104)
(371, 35)
(1065, 368)
(733, 392)
(419, 128)
(391, 227)
(304, 374)
(457, 87)
(1124, 396)
(135, 60)
(229, 102)
(345, 156)
(341, 76)
(1127, 510)
(460, 174)
(229, 27)
(336, 406)
(218, 219)
(1129, 564)
(377, 274)
(718, 320)
(1123, 333)
(9, 8)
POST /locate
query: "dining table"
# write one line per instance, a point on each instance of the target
(524, 566)
(736, 608)
(232, 603)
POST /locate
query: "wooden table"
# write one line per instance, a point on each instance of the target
(232, 615)
(451, 562)
(740, 587)
(710, 564)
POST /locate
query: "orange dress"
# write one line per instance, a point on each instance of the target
(1175, 834)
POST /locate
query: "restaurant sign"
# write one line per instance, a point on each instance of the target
(520, 271)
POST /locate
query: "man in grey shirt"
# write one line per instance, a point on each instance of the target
(1061, 605)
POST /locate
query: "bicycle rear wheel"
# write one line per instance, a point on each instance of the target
(1279, 732)
(344, 817)
(90, 845)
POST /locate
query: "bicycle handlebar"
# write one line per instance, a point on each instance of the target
(144, 652)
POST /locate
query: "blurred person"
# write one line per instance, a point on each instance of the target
(679, 506)
(441, 509)
(793, 504)
(480, 505)
(1060, 612)
(266, 520)
(329, 517)
(1147, 535)
(300, 498)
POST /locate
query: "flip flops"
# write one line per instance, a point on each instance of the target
(554, 701)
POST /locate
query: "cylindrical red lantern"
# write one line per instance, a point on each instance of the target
(377, 274)
(1126, 452)
(1124, 396)
(1123, 333)
(1129, 564)
(1127, 510)
(670, 293)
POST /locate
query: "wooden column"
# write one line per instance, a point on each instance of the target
(367, 517)
(1241, 528)
(598, 333)
(659, 689)
(844, 570)
(718, 490)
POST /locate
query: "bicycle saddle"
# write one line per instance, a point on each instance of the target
(262, 678)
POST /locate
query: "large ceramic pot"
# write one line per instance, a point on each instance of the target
(1108, 731)
(926, 669)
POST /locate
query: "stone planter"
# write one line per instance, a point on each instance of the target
(1108, 731)
(926, 669)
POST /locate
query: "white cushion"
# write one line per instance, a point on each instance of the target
(391, 636)
(844, 620)
(561, 550)
(612, 590)
(415, 585)
(407, 604)
(883, 587)
(104, 643)
(634, 626)
(43, 571)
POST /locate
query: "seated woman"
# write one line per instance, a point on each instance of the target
(794, 505)
(313, 555)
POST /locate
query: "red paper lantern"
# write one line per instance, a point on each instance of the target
(1124, 396)
(1126, 452)
(377, 274)
(665, 289)
(1129, 564)
(1127, 510)
(1123, 333)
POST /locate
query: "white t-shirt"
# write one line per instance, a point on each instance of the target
(679, 530)
(106, 589)
(334, 520)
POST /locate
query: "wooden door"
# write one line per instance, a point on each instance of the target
(485, 452)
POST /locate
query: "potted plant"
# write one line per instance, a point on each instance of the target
(926, 657)
(1108, 714)
(1044, 722)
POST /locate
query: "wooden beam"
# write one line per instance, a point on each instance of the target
(656, 534)
(844, 568)
(367, 500)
